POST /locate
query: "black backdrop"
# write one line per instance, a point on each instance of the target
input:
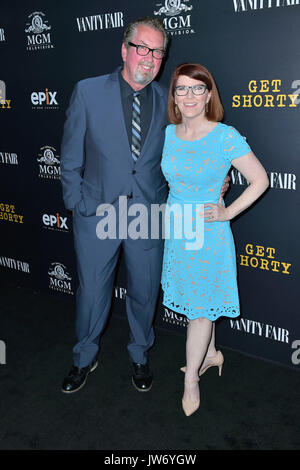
(252, 48)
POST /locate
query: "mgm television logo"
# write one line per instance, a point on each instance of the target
(49, 164)
(38, 32)
(59, 278)
(177, 19)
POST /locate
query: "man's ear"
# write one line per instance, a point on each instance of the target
(124, 52)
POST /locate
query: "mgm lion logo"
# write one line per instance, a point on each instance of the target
(173, 8)
(59, 279)
(59, 272)
(37, 25)
(48, 157)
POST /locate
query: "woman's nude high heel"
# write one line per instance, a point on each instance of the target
(190, 406)
(216, 360)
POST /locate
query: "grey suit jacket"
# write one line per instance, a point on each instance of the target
(96, 162)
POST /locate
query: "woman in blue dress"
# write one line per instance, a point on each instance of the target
(199, 277)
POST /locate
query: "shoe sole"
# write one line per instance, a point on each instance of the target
(141, 389)
(83, 383)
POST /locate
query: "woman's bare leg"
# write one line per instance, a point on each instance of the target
(199, 337)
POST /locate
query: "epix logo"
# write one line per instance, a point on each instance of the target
(44, 98)
(55, 221)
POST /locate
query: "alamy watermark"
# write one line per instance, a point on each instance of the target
(296, 354)
(296, 84)
(183, 221)
(2, 352)
(2, 91)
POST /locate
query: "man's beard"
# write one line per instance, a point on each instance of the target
(145, 77)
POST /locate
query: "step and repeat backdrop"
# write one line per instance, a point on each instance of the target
(253, 50)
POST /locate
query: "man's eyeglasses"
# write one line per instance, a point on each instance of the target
(196, 89)
(144, 50)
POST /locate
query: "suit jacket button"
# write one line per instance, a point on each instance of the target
(133, 172)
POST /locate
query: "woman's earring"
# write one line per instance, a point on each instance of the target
(206, 107)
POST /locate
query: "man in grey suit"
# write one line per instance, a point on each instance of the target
(111, 148)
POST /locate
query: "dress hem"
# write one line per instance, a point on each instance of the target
(215, 316)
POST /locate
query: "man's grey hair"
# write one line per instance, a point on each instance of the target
(154, 23)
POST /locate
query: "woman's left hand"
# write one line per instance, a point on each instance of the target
(215, 212)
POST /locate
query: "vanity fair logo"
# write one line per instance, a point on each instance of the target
(278, 180)
(257, 256)
(2, 36)
(177, 19)
(8, 158)
(49, 164)
(120, 292)
(267, 93)
(38, 32)
(15, 264)
(59, 279)
(44, 99)
(101, 21)
(261, 329)
(245, 5)
(174, 318)
(275, 333)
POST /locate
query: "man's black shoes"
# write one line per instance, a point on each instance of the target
(142, 377)
(76, 378)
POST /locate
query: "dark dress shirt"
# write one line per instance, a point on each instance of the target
(146, 100)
